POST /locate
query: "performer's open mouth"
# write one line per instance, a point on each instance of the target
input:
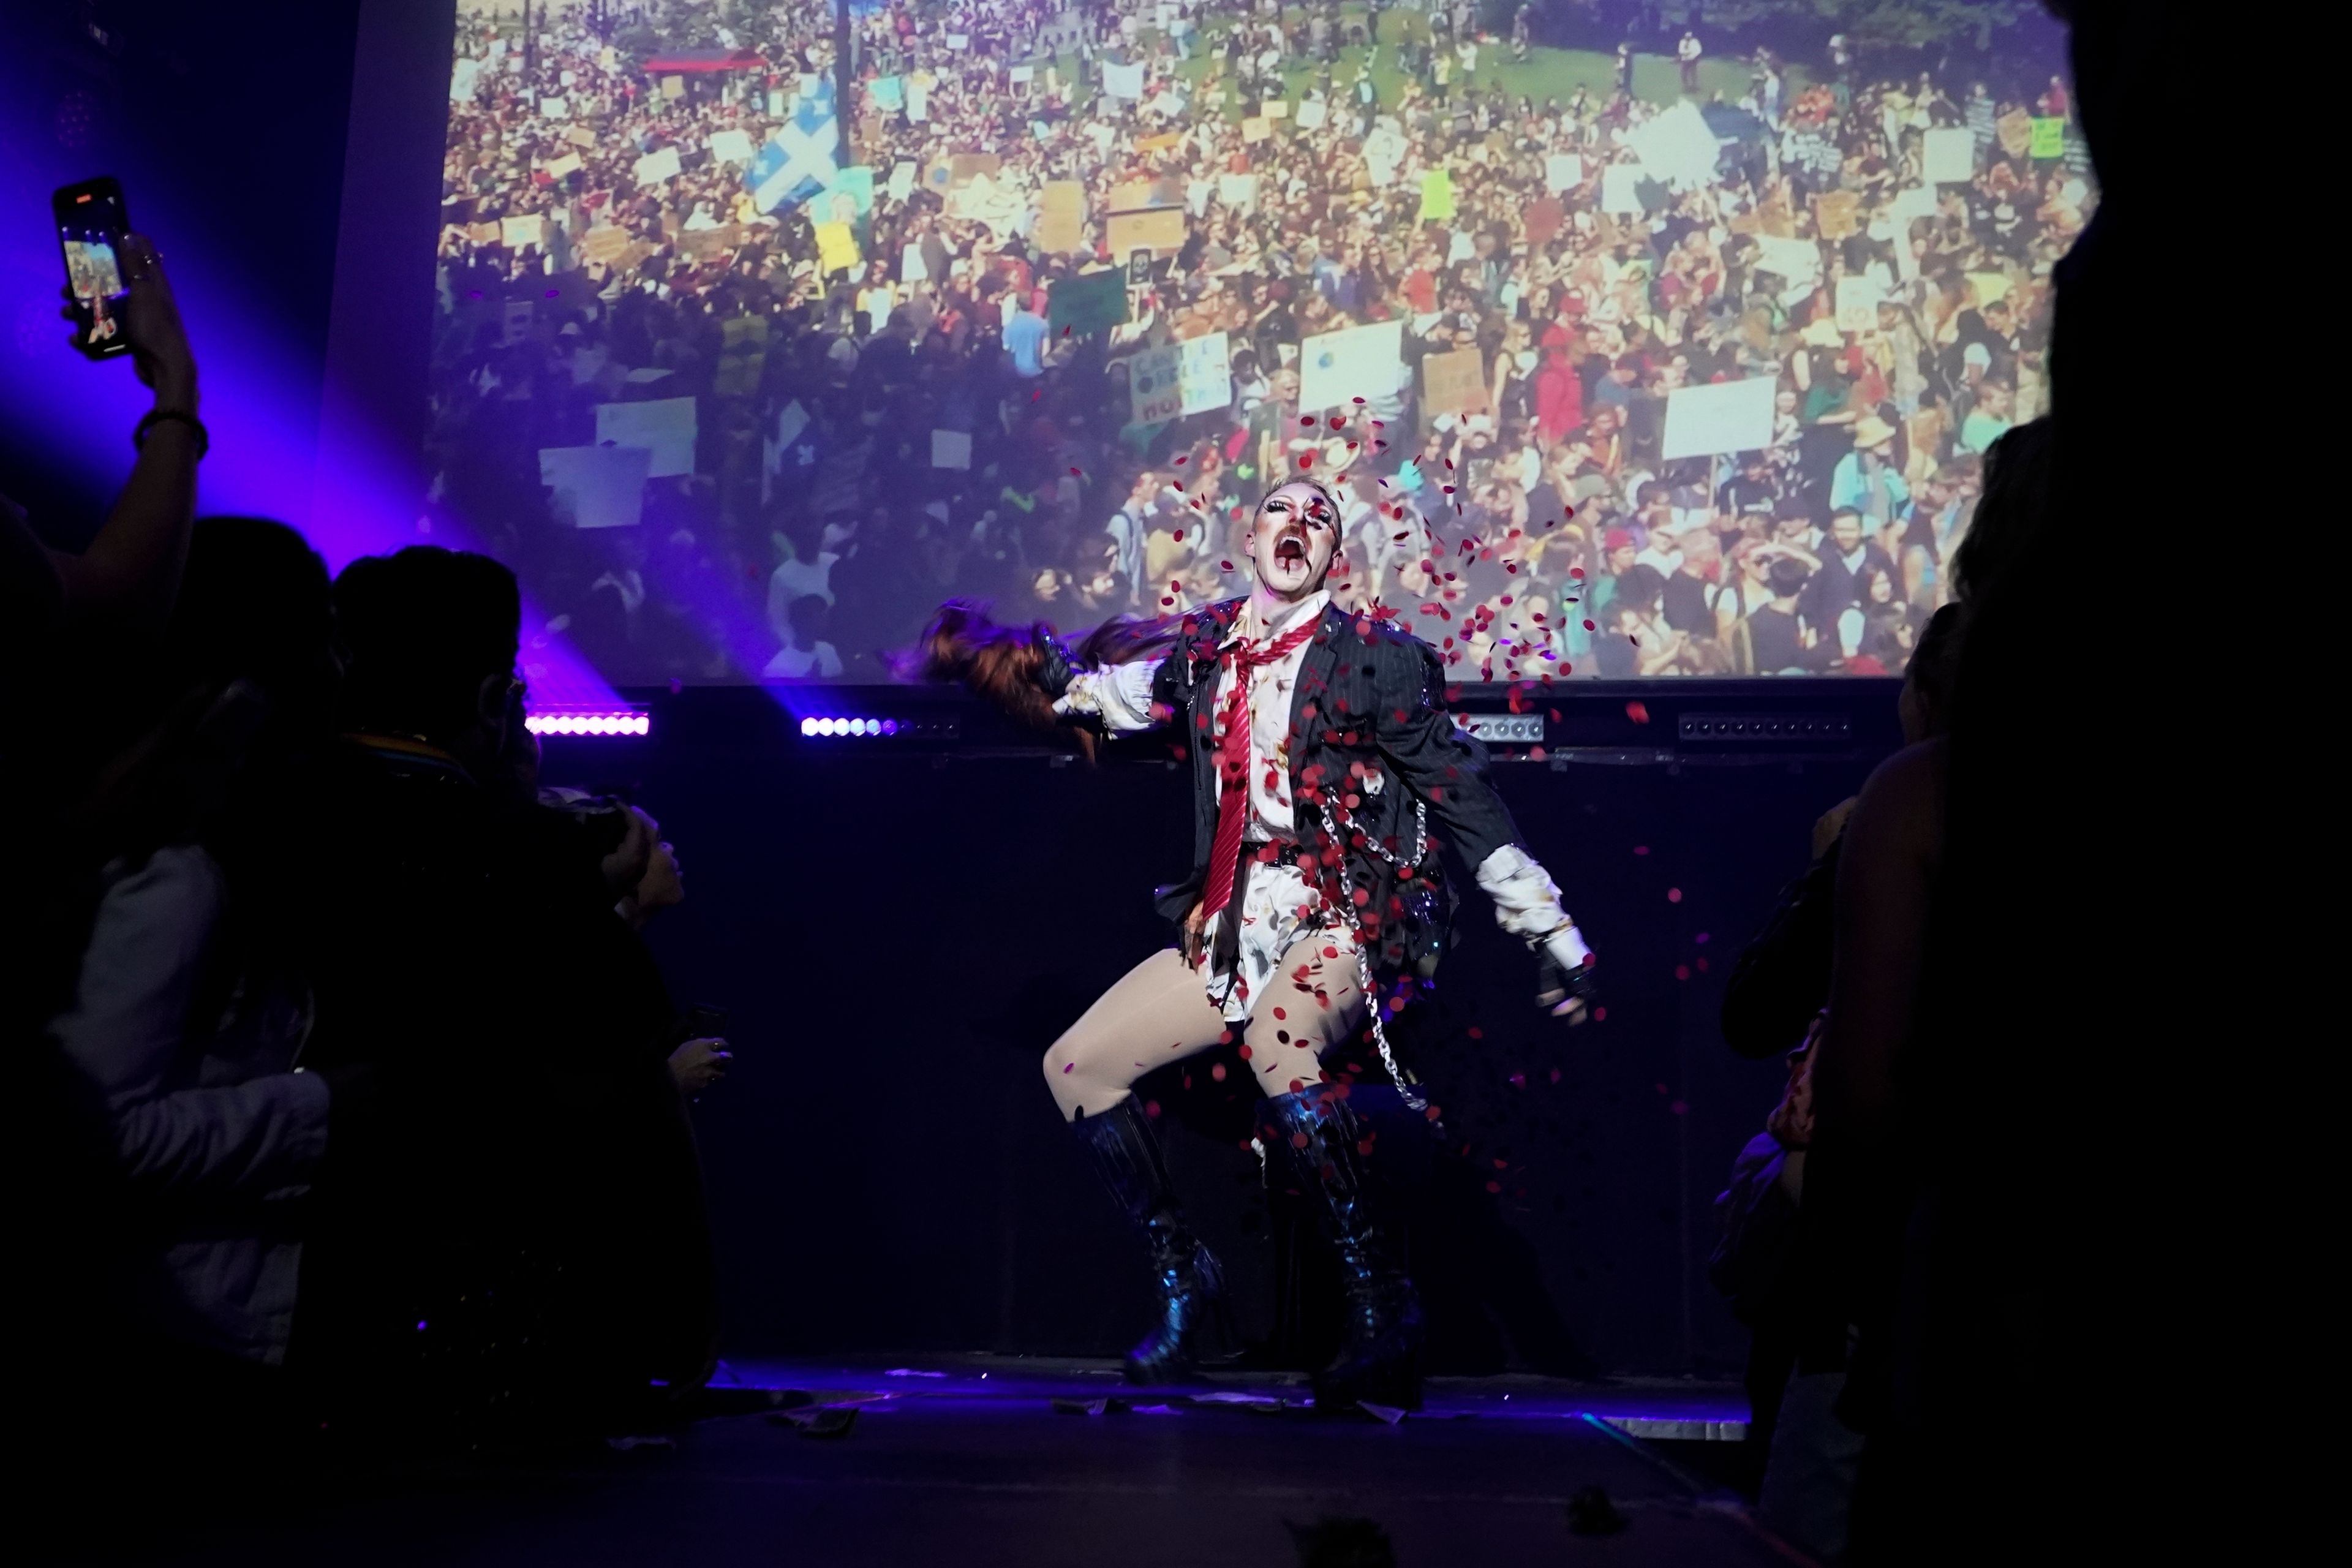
(1290, 548)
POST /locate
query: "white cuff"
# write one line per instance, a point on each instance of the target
(1527, 904)
(1118, 694)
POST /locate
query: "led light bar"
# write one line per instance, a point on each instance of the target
(832, 728)
(623, 721)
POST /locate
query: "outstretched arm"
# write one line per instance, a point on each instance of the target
(1448, 768)
(1119, 695)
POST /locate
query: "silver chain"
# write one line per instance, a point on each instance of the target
(1364, 956)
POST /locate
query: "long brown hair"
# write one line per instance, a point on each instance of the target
(963, 643)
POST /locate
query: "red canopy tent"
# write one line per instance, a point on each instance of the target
(707, 60)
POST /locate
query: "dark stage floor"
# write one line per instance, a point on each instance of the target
(969, 1460)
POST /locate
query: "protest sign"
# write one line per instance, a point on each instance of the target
(1154, 385)
(1437, 196)
(1274, 109)
(1949, 155)
(2015, 129)
(1837, 214)
(655, 167)
(1797, 262)
(1724, 416)
(1159, 143)
(911, 266)
(730, 146)
(702, 244)
(918, 101)
(673, 87)
(959, 40)
(855, 184)
(664, 428)
(889, 93)
(1619, 192)
(567, 165)
(1090, 303)
(951, 448)
(1157, 229)
(836, 248)
(1123, 81)
(514, 321)
(1334, 368)
(581, 136)
(483, 233)
(605, 242)
(462, 80)
(1021, 74)
(1061, 217)
(553, 108)
(2049, 138)
(1238, 190)
(1857, 304)
(1256, 129)
(1204, 375)
(902, 180)
(1563, 170)
(1310, 114)
(596, 486)
(1453, 383)
(1916, 203)
(1988, 286)
(965, 167)
(1140, 194)
(515, 233)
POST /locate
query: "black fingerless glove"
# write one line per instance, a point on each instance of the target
(1055, 670)
(1559, 985)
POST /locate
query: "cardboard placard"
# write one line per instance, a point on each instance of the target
(596, 486)
(1837, 214)
(1159, 230)
(1256, 129)
(515, 233)
(2015, 129)
(1311, 114)
(483, 233)
(1334, 368)
(1159, 143)
(1453, 383)
(836, 248)
(730, 146)
(951, 448)
(673, 87)
(605, 242)
(1137, 195)
(655, 167)
(2049, 139)
(580, 136)
(1061, 217)
(703, 244)
(567, 165)
(964, 167)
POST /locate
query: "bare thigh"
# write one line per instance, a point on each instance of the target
(1159, 1012)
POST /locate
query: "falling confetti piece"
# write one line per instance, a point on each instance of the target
(1637, 711)
(1674, 895)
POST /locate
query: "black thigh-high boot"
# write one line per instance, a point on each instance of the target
(1190, 1285)
(1321, 1141)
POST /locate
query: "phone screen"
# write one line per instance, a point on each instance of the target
(91, 221)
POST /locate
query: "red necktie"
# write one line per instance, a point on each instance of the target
(1233, 758)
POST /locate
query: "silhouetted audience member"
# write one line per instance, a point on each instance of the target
(498, 1253)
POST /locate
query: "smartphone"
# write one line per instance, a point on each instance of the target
(701, 1022)
(91, 221)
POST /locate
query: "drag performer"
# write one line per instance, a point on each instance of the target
(1322, 762)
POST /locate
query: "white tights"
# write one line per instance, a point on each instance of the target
(1159, 1012)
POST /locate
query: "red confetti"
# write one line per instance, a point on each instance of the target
(1674, 895)
(1637, 711)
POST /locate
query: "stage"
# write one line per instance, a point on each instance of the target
(980, 1459)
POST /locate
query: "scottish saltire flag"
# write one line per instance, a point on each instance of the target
(797, 160)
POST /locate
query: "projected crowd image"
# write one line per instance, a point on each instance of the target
(1656, 352)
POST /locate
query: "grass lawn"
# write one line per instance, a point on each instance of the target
(1547, 73)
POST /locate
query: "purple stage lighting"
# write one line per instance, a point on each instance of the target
(830, 728)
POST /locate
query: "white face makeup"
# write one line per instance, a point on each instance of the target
(1291, 541)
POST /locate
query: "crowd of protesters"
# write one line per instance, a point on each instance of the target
(825, 329)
